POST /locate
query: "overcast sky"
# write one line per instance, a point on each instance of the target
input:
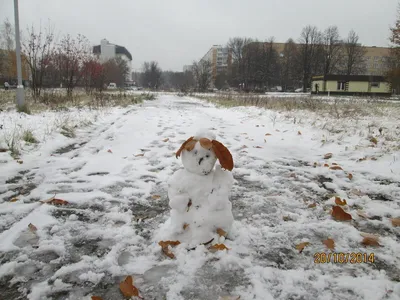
(176, 32)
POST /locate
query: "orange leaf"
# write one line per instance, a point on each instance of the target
(166, 140)
(350, 176)
(374, 140)
(338, 201)
(14, 199)
(96, 298)
(328, 155)
(299, 132)
(301, 246)
(221, 232)
(32, 227)
(218, 247)
(395, 222)
(109, 151)
(155, 197)
(142, 154)
(330, 243)
(186, 225)
(267, 134)
(335, 168)
(339, 214)
(128, 289)
(56, 201)
(165, 249)
(312, 205)
(370, 241)
(326, 165)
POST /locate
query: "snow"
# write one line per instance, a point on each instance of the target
(112, 224)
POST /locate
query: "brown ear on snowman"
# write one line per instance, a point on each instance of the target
(187, 145)
(223, 155)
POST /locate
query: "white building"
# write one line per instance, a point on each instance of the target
(220, 58)
(106, 51)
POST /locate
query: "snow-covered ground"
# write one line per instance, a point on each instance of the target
(114, 177)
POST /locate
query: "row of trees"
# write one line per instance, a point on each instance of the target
(67, 62)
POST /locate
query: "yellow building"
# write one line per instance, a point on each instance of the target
(220, 59)
(350, 85)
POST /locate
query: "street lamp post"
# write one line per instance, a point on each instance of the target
(20, 87)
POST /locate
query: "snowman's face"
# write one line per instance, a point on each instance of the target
(199, 160)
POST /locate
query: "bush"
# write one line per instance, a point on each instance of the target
(29, 137)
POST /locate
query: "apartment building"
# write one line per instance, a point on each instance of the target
(220, 58)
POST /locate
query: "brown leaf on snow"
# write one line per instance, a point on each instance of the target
(128, 289)
(301, 246)
(268, 134)
(109, 151)
(165, 247)
(218, 247)
(165, 140)
(312, 205)
(257, 147)
(189, 205)
(156, 197)
(370, 241)
(328, 156)
(329, 243)
(395, 222)
(339, 214)
(56, 201)
(142, 154)
(229, 298)
(221, 232)
(339, 201)
(299, 132)
(336, 168)
(32, 227)
(3, 150)
(20, 162)
(326, 165)
(373, 140)
(96, 298)
(186, 225)
(350, 176)
(14, 199)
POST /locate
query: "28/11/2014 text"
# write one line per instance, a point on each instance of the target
(343, 258)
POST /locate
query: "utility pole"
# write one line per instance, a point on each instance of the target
(20, 87)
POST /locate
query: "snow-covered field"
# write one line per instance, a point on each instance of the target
(114, 174)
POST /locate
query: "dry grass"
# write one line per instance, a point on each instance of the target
(28, 137)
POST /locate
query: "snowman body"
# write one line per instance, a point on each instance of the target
(199, 197)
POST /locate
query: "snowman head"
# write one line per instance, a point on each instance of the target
(200, 152)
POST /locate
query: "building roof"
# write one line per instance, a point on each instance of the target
(368, 78)
(118, 50)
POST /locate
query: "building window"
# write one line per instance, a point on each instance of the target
(341, 85)
(375, 84)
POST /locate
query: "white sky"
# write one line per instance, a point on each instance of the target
(176, 32)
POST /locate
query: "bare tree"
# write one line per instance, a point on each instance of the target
(152, 75)
(331, 45)
(237, 46)
(7, 46)
(38, 48)
(290, 65)
(202, 75)
(71, 55)
(354, 55)
(310, 53)
(393, 74)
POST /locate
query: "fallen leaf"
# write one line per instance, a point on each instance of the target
(329, 243)
(336, 168)
(339, 214)
(56, 201)
(395, 222)
(312, 205)
(32, 227)
(301, 246)
(166, 140)
(221, 232)
(328, 156)
(373, 158)
(142, 154)
(3, 150)
(299, 132)
(155, 197)
(362, 214)
(109, 151)
(373, 140)
(326, 165)
(189, 205)
(334, 164)
(218, 247)
(186, 225)
(286, 218)
(229, 298)
(20, 162)
(14, 199)
(361, 159)
(128, 289)
(339, 201)
(267, 134)
(350, 176)
(257, 147)
(165, 247)
(370, 241)
(96, 298)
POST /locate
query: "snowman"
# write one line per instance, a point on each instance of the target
(199, 193)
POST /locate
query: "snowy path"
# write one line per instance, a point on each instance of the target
(108, 229)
